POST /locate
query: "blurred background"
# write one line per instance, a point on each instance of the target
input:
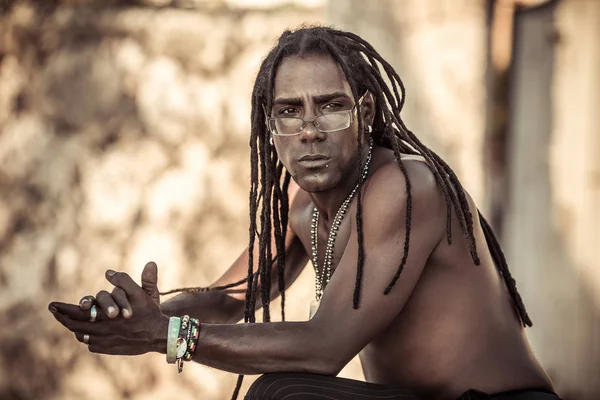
(124, 129)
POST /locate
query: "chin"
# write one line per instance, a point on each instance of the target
(315, 182)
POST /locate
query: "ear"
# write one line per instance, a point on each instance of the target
(368, 108)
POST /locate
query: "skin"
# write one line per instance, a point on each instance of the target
(447, 325)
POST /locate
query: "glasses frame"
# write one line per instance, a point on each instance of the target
(306, 121)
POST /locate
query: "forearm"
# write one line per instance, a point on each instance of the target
(264, 348)
(214, 307)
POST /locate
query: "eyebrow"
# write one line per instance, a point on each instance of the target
(296, 101)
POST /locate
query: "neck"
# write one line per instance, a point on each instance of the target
(328, 202)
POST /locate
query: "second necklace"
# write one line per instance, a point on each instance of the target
(321, 280)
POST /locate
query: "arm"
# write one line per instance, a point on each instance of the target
(226, 306)
(338, 332)
(142, 332)
(219, 306)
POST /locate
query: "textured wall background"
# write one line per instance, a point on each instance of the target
(123, 139)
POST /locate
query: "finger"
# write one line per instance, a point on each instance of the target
(150, 281)
(106, 346)
(79, 326)
(73, 311)
(86, 302)
(107, 304)
(80, 336)
(124, 281)
(102, 349)
(120, 297)
(115, 351)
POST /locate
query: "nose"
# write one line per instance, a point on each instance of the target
(310, 133)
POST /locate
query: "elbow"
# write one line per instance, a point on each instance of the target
(336, 364)
(333, 369)
(327, 356)
(324, 353)
(327, 361)
(321, 366)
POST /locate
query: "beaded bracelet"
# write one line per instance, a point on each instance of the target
(187, 340)
(185, 320)
(192, 339)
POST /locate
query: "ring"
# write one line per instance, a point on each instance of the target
(93, 313)
(86, 339)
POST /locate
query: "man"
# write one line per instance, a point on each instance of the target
(405, 276)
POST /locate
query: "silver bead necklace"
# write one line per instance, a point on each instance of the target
(321, 280)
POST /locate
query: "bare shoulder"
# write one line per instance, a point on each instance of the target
(388, 187)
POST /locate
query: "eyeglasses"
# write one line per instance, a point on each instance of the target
(331, 122)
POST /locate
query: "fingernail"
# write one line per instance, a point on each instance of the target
(111, 310)
(52, 309)
(110, 272)
(85, 301)
(126, 313)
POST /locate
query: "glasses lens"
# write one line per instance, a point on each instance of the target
(288, 125)
(325, 123)
(333, 122)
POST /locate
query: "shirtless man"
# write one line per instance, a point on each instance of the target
(409, 275)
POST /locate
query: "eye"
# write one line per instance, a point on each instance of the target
(333, 106)
(288, 111)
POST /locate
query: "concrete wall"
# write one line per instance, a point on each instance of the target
(552, 233)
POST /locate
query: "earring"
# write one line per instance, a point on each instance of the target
(271, 141)
(369, 129)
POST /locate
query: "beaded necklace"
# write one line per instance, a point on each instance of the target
(321, 280)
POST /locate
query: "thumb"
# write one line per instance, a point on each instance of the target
(150, 281)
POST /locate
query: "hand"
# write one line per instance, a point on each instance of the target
(144, 331)
(116, 303)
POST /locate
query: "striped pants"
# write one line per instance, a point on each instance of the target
(299, 386)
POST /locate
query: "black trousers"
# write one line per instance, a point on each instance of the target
(298, 386)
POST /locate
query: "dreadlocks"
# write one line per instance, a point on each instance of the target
(362, 66)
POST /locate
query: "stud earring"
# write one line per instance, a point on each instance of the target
(369, 129)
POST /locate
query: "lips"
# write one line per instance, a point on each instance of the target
(314, 160)
(312, 157)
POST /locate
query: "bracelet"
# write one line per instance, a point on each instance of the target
(182, 340)
(181, 349)
(182, 345)
(172, 338)
(185, 320)
(194, 334)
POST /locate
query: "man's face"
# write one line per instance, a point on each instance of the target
(307, 87)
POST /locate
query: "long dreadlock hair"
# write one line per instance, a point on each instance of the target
(362, 66)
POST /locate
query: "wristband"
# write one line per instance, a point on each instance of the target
(172, 336)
